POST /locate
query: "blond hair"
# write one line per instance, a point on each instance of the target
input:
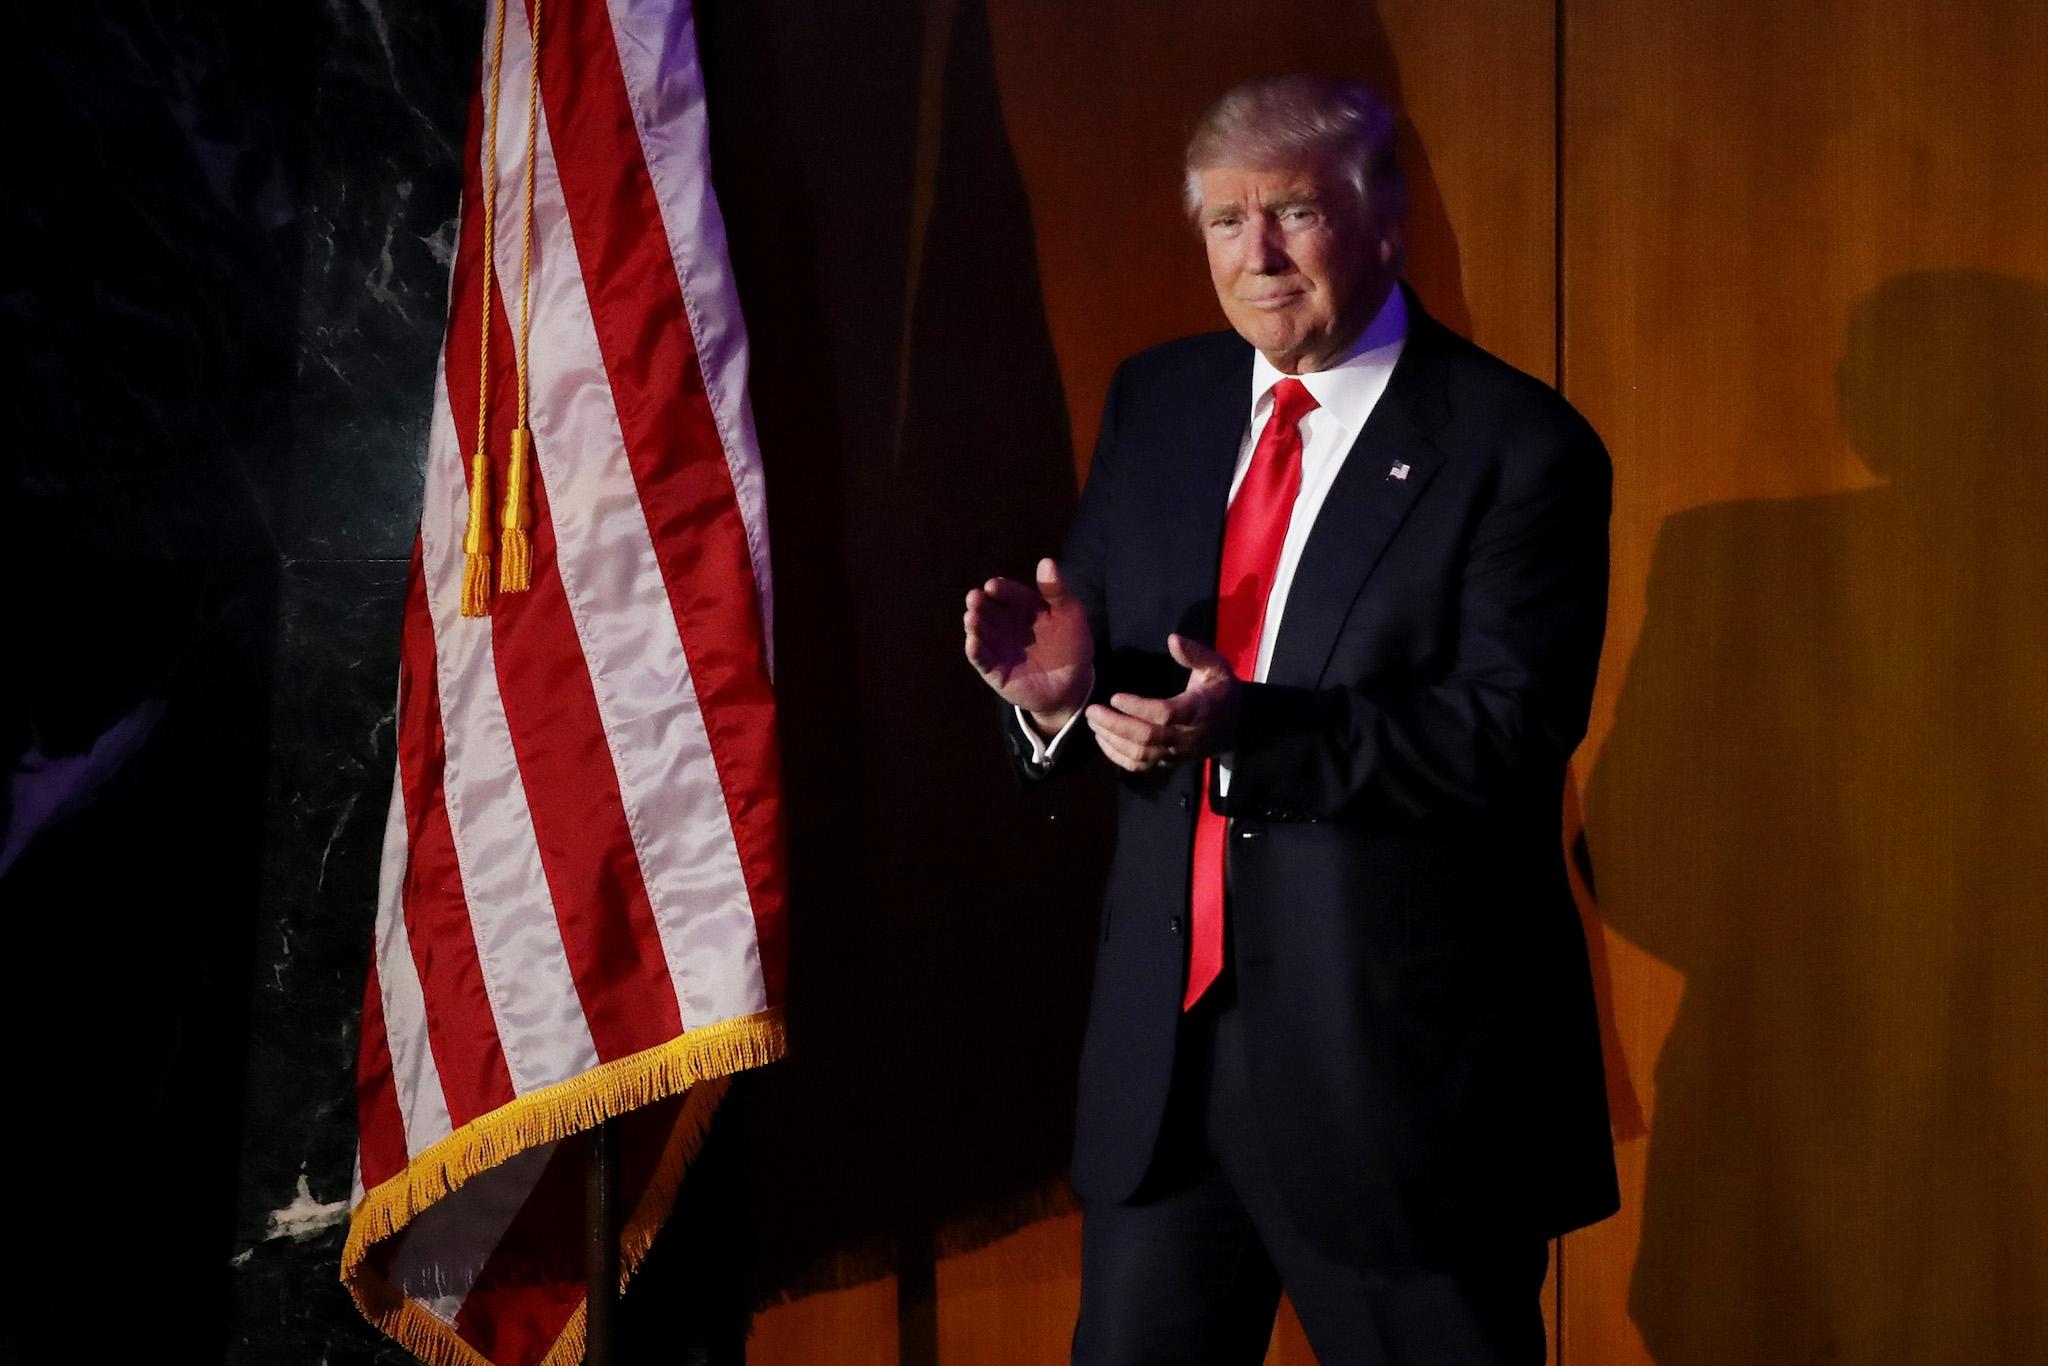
(1302, 119)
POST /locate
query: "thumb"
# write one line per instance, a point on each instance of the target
(1051, 586)
(1193, 654)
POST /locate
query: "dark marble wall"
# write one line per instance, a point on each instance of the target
(233, 226)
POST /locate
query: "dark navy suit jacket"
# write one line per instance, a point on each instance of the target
(1410, 962)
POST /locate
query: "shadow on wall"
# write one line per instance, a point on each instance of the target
(916, 442)
(1825, 802)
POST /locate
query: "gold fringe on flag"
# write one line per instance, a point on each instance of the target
(637, 1239)
(699, 1065)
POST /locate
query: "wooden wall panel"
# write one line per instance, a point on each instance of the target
(1805, 249)
(1803, 270)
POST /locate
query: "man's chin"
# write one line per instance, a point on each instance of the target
(1271, 340)
(1293, 354)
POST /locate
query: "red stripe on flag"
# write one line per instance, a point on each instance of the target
(672, 443)
(462, 1030)
(380, 1126)
(565, 763)
(534, 1278)
(579, 818)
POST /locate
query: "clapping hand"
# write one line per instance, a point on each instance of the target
(1140, 733)
(1031, 643)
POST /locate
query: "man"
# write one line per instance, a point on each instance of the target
(1333, 601)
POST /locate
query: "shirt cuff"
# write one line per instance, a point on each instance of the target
(1044, 751)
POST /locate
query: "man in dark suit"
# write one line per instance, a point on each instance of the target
(1333, 600)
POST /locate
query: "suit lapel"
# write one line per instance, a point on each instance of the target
(1390, 463)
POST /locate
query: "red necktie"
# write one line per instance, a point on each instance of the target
(1252, 535)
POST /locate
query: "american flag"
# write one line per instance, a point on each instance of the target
(581, 902)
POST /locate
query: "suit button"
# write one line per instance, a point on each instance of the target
(1174, 924)
(1183, 801)
(1249, 834)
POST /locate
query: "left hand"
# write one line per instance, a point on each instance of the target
(1141, 733)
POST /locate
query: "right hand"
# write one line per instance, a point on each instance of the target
(1031, 643)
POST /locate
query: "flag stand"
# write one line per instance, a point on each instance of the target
(601, 1244)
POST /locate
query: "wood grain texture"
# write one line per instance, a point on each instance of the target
(851, 1327)
(1804, 256)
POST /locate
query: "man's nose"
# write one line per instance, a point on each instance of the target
(1266, 253)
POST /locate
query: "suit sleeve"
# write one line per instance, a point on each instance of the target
(1084, 564)
(1500, 725)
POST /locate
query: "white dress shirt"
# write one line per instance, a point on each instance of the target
(1345, 393)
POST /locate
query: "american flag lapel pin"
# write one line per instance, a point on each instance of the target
(1400, 470)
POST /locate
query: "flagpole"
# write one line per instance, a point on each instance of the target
(601, 1244)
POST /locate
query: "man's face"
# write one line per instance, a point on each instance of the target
(1298, 266)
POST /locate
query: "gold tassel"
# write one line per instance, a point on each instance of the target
(476, 541)
(476, 537)
(515, 566)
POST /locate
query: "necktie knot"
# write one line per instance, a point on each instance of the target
(1291, 402)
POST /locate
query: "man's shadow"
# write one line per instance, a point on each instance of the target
(1825, 802)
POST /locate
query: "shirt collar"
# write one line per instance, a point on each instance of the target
(1349, 386)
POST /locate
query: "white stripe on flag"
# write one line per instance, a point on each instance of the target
(438, 1256)
(519, 944)
(422, 1102)
(665, 84)
(675, 808)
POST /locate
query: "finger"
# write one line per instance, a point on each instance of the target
(1192, 654)
(1051, 586)
(986, 639)
(992, 654)
(1155, 710)
(1176, 715)
(990, 614)
(1016, 597)
(1154, 747)
(983, 608)
(1125, 727)
(1121, 752)
(1108, 723)
(1136, 757)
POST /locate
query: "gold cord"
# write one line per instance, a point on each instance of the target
(515, 571)
(476, 539)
